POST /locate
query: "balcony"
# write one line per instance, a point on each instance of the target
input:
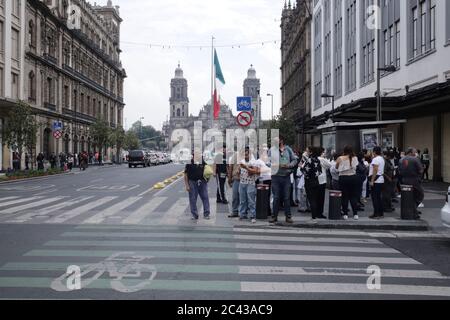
(50, 106)
(50, 59)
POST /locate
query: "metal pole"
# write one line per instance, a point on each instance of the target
(272, 106)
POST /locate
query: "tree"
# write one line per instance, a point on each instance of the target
(131, 141)
(117, 140)
(20, 130)
(101, 133)
(148, 135)
(286, 127)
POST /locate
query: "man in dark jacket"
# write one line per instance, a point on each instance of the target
(411, 171)
(389, 184)
(220, 171)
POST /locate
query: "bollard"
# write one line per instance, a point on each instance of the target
(408, 205)
(262, 199)
(335, 205)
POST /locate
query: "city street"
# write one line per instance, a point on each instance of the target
(135, 242)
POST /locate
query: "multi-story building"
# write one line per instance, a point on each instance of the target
(68, 59)
(12, 26)
(414, 43)
(295, 66)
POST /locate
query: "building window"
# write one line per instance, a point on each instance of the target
(433, 23)
(31, 86)
(1, 39)
(15, 41)
(14, 86)
(351, 46)
(423, 26)
(82, 103)
(318, 60)
(31, 35)
(66, 97)
(414, 32)
(368, 45)
(16, 7)
(178, 113)
(338, 48)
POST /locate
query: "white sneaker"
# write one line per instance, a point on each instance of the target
(253, 220)
(421, 205)
(356, 217)
(345, 217)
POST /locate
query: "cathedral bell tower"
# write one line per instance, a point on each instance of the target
(179, 101)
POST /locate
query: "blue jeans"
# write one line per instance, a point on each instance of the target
(247, 197)
(281, 188)
(236, 202)
(199, 189)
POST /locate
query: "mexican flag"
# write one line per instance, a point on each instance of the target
(219, 82)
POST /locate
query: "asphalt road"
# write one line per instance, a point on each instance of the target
(130, 241)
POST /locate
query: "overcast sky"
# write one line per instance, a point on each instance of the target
(193, 22)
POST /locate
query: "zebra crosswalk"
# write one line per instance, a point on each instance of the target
(220, 262)
(158, 210)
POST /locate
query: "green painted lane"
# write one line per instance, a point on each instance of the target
(183, 235)
(108, 253)
(62, 266)
(174, 285)
(166, 244)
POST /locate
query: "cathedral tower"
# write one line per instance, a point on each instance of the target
(179, 101)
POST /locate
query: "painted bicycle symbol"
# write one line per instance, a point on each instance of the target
(125, 269)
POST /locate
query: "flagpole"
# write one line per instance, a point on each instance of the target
(212, 81)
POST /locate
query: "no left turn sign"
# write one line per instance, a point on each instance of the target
(244, 119)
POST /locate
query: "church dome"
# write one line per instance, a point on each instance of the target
(179, 72)
(251, 74)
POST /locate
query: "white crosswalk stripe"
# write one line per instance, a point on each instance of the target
(80, 210)
(48, 210)
(111, 211)
(175, 213)
(7, 198)
(31, 205)
(21, 200)
(144, 211)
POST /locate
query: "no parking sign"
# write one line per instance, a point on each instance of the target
(244, 119)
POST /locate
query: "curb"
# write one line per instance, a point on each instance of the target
(37, 178)
(401, 226)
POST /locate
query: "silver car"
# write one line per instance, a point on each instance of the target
(445, 212)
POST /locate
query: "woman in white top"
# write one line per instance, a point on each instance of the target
(326, 165)
(348, 181)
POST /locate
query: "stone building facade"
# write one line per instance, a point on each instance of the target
(180, 118)
(71, 71)
(295, 66)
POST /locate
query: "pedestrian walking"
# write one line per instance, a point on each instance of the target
(234, 177)
(247, 187)
(426, 161)
(40, 160)
(376, 176)
(312, 169)
(53, 160)
(349, 182)
(27, 161)
(70, 161)
(197, 185)
(16, 161)
(220, 172)
(282, 162)
(411, 171)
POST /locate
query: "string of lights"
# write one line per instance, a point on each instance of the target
(177, 46)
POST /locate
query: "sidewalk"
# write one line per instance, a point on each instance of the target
(430, 218)
(436, 187)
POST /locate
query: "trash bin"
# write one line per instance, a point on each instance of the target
(262, 201)
(408, 205)
(335, 205)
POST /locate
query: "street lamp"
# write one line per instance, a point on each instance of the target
(140, 121)
(389, 68)
(271, 95)
(326, 96)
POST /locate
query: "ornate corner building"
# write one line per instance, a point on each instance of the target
(295, 67)
(67, 68)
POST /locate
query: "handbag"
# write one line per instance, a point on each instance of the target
(208, 172)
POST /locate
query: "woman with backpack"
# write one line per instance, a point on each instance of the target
(349, 182)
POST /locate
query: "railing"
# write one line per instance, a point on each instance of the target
(50, 106)
(50, 58)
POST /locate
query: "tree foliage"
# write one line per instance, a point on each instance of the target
(286, 127)
(101, 133)
(148, 135)
(131, 141)
(20, 130)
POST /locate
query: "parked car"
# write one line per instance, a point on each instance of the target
(138, 158)
(445, 212)
(154, 161)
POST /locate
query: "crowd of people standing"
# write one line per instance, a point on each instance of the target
(301, 179)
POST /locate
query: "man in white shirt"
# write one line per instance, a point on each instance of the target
(247, 187)
(376, 176)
